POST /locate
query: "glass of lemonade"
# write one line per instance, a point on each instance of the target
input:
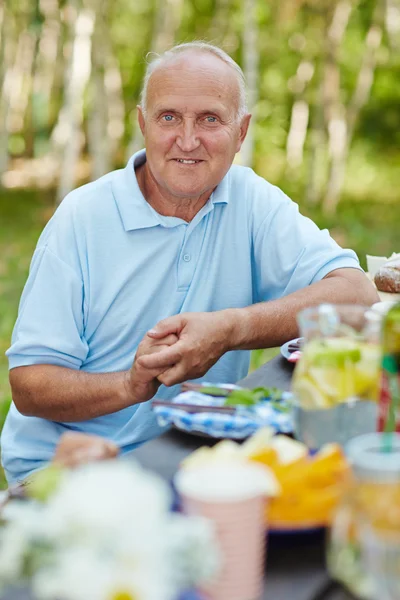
(340, 357)
(335, 382)
(364, 542)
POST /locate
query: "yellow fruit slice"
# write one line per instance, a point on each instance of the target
(366, 371)
(257, 442)
(333, 352)
(309, 395)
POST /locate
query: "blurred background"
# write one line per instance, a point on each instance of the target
(323, 87)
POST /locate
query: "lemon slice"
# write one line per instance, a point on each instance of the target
(333, 352)
(288, 450)
(310, 396)
(366, 373)
(257, 442)
(338, 384)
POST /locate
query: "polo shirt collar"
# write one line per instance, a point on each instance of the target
(136, 212)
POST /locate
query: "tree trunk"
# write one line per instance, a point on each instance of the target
(299, 117)
(35, 28)
(68, 133)
(250, 68)
(98, 138)
(347, 125)
(20, 76)
(392, 22)
(47, 64)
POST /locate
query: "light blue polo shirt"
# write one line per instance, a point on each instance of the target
(108, 267)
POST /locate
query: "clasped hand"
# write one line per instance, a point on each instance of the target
(182, 347)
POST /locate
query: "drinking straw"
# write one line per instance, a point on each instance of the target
(390, 365)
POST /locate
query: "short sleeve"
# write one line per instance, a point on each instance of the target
(50, 324)
(291, 252)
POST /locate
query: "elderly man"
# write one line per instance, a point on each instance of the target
(155, 273)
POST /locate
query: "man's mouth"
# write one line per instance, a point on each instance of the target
(187, 161)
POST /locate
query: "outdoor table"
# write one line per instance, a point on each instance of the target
(295, 566)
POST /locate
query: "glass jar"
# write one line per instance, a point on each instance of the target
(371, 504)
(335, 382)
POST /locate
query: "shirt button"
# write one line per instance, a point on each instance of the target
(186, 257)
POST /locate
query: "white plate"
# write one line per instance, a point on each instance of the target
(285, 348)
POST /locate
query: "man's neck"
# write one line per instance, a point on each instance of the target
(166, 204)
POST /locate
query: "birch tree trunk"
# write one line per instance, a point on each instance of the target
(35, 28)
(47, 64)
(21, 73)
(168, 15)
(346, 126)
(98, 139)
(68, 133)
(392, 22)
(299, 116)
(250, 69)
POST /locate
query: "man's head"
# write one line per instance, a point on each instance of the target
(193, 108)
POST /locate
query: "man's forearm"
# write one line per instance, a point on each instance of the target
(61, 394)
(270, 324)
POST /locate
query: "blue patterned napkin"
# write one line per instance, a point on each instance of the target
(243, 423)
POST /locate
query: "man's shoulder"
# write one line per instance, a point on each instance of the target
(91, 194)
(244, 182)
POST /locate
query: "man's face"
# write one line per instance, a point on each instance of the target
(191, 128)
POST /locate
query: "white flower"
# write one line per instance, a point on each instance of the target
(13, 546)
(23, 526)
(101, 499)
(81, 574)
(106, 534)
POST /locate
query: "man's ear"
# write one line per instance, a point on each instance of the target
(141, 119)
(244, 127)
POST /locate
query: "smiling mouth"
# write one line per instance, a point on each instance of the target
(187, 161)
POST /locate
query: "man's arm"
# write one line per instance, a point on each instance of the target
(270, 324)
(205, 337)
(62, 394)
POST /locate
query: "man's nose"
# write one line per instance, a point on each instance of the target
(187, 138)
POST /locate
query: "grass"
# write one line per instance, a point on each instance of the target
(365, 226)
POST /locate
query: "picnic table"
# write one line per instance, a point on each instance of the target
(295, 566)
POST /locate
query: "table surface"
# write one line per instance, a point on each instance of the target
(295, 566)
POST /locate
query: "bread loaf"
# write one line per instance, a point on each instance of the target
(387, 278)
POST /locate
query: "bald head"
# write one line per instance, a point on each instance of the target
(197, 60)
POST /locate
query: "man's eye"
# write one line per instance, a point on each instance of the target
(168, 118)
(211, 119)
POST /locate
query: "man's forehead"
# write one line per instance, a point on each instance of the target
(193, 76)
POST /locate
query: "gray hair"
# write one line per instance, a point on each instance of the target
(205, 47)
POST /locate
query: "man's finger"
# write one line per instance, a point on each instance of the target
(167, 340)
(169, 325)
(174, 375)
(162, 359)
